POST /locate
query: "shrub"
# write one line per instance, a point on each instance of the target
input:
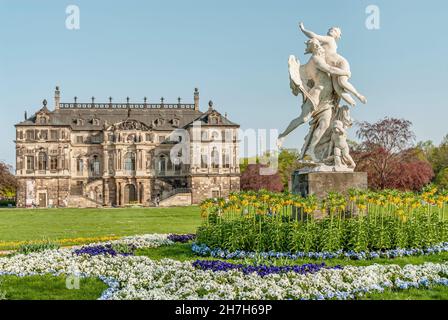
(7, 203)
(251, 179)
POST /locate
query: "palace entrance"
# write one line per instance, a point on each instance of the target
(130, 194)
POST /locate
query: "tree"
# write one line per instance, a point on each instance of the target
(442, 179)
(386, 154)
(251, 179)
(8, 182)
(439, 156)
(287, 163)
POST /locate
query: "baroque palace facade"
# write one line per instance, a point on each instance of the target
(115, 154)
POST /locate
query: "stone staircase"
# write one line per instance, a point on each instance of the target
(77, 201)
(176, 198)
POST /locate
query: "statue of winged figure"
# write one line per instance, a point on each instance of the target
(322, 82)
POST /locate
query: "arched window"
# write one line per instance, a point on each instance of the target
(129, 161)
(95, 166)
(215, 158)
(42, 161)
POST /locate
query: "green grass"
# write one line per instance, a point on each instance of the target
(178, 251)
(434, 293)
(37, 224)
(49, 288)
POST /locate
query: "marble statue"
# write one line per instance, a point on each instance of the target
(323, 82)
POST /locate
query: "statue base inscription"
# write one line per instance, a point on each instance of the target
(307, 183)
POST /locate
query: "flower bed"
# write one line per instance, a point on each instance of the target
(360, 222)
(203, 250)
(141, 278)
(137, 277)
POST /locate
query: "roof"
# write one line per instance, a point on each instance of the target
(167, 116)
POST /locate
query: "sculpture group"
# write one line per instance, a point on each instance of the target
(323, 83)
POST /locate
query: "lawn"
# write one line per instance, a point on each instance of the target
(49, 288)
(36, 224)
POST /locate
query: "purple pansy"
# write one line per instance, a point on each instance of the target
(181, 237)
(103, 250)
(261, 270)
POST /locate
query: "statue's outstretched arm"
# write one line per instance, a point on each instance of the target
(323, 66)
(311, 34)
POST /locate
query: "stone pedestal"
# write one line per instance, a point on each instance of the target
(320, 183)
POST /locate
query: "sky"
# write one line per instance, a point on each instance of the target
(235, 52)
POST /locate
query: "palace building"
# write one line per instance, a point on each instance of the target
(116, 154)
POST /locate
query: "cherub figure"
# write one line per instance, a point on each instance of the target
(339, 146)
(341, 84)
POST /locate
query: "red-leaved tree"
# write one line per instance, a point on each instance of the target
(386, 154)
(251, 179)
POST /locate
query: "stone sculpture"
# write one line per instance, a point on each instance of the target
(323, 82)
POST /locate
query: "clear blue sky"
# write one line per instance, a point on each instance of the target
(235, 51)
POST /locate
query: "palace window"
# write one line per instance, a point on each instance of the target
(20, 135)
(42, 161)
(54, 135)
(177, 168)
(131, 138)
(215, 135)
(215, 158)
(161, 139)
(96, 139)
(162, 164)
(79, 139)
(44, 134)
(30, 134)
(204, 159)
(158, 122)
(79, 165)
(30, 163)
(42, 120)
(214, 119)
(53, 163)
(95, 166)
(129, 161)
(175, 122)
(227, 135)
(225, 159)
